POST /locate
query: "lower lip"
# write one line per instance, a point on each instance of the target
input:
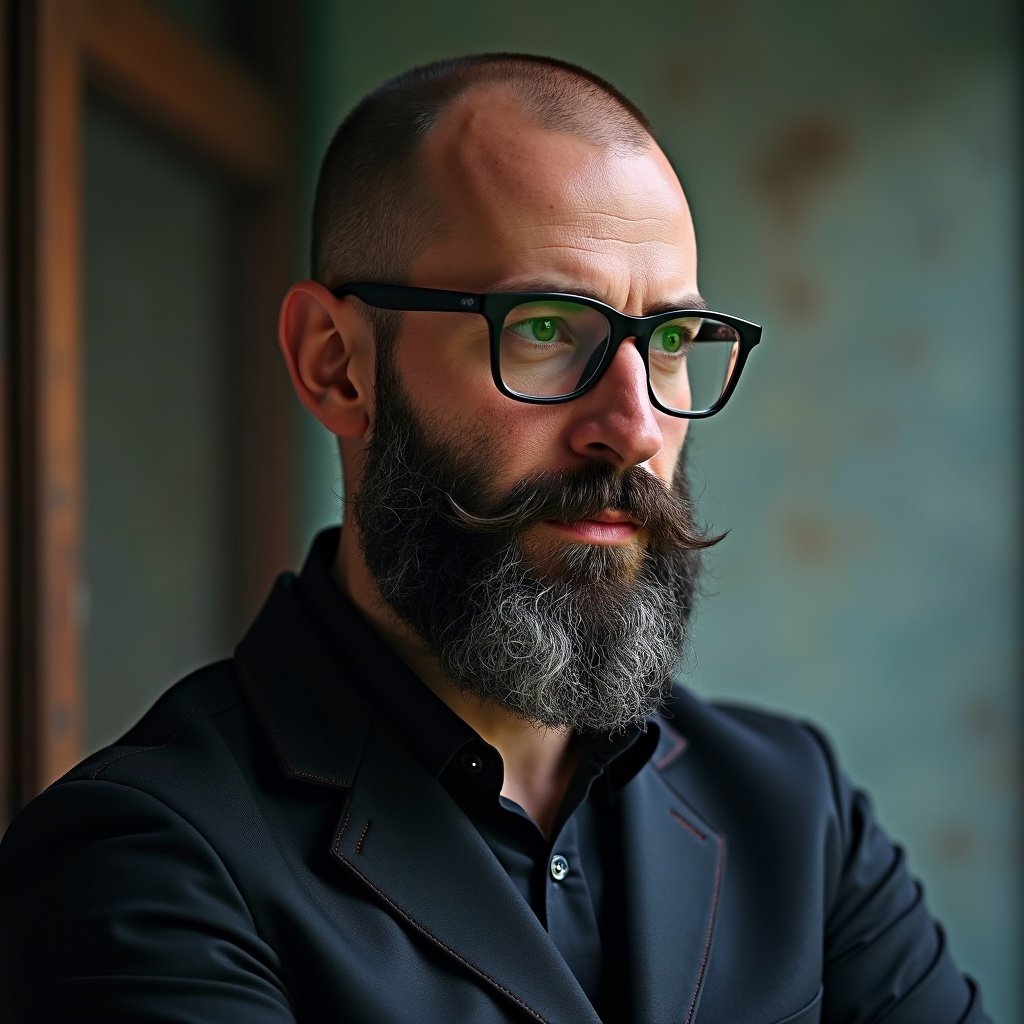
(593, 531)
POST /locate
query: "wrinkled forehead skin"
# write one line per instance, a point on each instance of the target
(526, 202)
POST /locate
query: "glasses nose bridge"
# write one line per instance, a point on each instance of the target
(623, 327)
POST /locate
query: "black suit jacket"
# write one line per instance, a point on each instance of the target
(261, 848)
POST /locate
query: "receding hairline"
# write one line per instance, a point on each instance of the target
(374, 188)
(500, 106)
(552, 94)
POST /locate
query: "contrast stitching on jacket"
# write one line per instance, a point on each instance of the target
(711, 928)
(362, 838)
(344, 826)
(140, 750)
(330, 780)
(686, 803)
(433, 938)
(677, 748)
(687, 825)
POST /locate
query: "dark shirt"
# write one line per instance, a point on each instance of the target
(572, 880)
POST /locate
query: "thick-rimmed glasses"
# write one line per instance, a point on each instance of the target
(549, 347)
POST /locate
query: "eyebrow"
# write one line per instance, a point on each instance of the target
(690, 301)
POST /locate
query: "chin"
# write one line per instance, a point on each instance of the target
(553, 558)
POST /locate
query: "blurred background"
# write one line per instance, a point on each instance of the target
(854, 171)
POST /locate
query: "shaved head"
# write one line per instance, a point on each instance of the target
(378, 202)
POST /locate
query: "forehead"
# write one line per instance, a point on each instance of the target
(526, 202)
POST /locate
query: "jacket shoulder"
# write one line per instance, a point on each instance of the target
(201, 701)
(746, 738)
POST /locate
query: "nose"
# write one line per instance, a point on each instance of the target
(616, 421)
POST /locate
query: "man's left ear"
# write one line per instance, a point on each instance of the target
(328, 347)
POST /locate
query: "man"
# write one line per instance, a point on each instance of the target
(446, 776)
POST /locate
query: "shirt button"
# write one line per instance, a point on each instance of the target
(472, 762)
(559, 867)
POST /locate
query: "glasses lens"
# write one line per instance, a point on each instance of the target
(551, 349)
(691, 360)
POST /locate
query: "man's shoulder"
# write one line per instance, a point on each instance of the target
(738, 729)
(194, 717)
(729, 757)
(197, 768)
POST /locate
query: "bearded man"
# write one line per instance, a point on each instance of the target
(447, 775)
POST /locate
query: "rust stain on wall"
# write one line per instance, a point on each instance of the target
(954, 843)
(678, 82)
(799, 159)
(911, 347)
(808, 538)
(799, 296)
(982, 716)
(813, 538)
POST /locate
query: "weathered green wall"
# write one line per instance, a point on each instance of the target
(854, 171)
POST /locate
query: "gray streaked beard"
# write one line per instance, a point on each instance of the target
(559, 653)
(590, 644)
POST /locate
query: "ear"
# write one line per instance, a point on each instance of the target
(328, 346)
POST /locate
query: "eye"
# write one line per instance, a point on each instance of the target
(673, 339)
(540, 329)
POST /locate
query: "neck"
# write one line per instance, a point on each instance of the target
(538, 760)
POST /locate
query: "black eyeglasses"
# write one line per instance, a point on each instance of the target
(547, 347)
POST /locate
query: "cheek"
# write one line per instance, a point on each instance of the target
(669, 458)
(463, 406)
(444, 363)
(520, 439)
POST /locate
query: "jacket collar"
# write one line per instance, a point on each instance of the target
(318, 723)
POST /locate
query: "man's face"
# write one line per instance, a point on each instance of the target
(545, 554)
(535, 210)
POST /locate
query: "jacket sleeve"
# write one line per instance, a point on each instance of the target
(113, 907)
(885, 956)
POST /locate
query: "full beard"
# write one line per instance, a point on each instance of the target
(560, 633)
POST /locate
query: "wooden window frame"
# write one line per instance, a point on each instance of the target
(235, 121)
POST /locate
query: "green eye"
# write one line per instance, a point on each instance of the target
(671, 339)
(543, 330)
(540, 328)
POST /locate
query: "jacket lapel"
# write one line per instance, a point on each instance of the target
(674, 866)
(411, 844)
(400, 833)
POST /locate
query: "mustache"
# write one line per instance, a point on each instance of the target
(568, 495)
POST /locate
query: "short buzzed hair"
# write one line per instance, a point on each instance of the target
(374, 209)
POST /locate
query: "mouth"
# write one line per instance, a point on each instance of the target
(609, 527)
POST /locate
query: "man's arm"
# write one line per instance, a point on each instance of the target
(113, 907)
(885, 956)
